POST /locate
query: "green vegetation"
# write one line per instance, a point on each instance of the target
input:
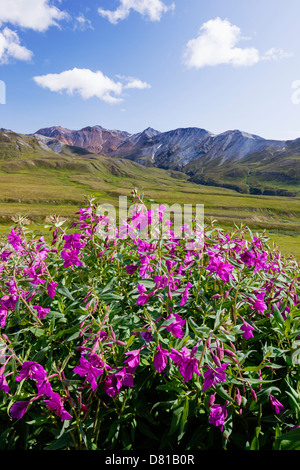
(267, 173)
(37, 182)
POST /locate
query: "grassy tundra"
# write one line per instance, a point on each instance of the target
(37, 182)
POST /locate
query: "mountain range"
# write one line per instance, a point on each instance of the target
(233, 159)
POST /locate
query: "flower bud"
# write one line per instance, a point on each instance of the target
(216, 360)
(238, 397)
(211, 399)
(220, 353)
(229, 353)
(253, 394)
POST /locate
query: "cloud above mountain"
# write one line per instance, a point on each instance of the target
(89, 84)
(217, 43)
(151, 9)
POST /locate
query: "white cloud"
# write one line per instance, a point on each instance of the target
(153, 9)
(38, 15)
(276, 54)
(83, 23)
(132, 82)
(10, 47)
(87, 84)
(216, 44)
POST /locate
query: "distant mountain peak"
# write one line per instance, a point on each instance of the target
(173, 149)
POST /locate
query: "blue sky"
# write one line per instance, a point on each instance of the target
(131, 64)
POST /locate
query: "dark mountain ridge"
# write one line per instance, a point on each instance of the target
(235, 159)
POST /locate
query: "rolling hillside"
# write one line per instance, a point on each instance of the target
(234, 159)
(42, 176)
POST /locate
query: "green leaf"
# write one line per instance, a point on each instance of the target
(65, 292)
(289, 440)
(255, 441)
(220, 391)
(62, 443)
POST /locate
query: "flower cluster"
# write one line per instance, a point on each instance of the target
(126, 337)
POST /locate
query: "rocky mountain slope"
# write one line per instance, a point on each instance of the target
(94, 139)
(233, 159)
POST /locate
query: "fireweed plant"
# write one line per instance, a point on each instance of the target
(169, 343)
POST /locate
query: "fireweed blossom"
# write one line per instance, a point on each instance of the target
(42, 311)
(247, 330)
(133, 360)
(71, 258)
(259, 303)
(31, 370)
(51, 289)
(214, 376)
(175, 327)
(91, 370)
(3, 384)
(146, 336)
(169, 271)
(18, 409)
(160, 359)
(185, 294)
(3, 316)
(56, 404)
(15, 240)
(275, 404)
(73, 242)
(186, 361)
(143, 297)
(218, 415)
(114, 382)
(222, 270)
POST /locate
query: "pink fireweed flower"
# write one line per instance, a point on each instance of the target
(3, 316)
(160, 359)
(218, 415)
(31, 370)
(222, 270)
(131, 268)
(44, 387)
(247, 330)
(147, 336)
(185, 294)
(12, 288)
(133, 360)
(259, 302)
(90, 371)
(18, 409)
(113, 382)
(8, 302)
(143, 297)
(33, 276)
(275, 404)
(176, 326)
(42, 312)
(248, 258)
(73, 242)
(5, 255)
(71, 258)
(3, 384)
(211, 399)
(55, 404)
(146, 268)
(214, 376)
(85, 213)
(186, 362)
(161, 281)
(14, 239)
(51, 289)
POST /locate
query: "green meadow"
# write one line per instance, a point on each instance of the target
(38, 183)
